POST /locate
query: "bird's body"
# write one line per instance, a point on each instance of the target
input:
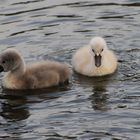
(86, 62)
(35, 76)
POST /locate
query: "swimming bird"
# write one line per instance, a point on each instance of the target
(95, 59)
(32, 76)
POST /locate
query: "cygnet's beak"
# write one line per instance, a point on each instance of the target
(98, 58)
(1, 69)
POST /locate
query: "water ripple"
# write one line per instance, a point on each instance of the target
(88, 108)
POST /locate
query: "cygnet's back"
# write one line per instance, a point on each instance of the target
(48, 73)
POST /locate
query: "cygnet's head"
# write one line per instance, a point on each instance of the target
(98, 47)
(10, 60)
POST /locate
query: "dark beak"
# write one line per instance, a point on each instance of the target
(1, 68)
(98, 60)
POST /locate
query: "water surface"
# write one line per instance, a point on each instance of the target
(105, 108)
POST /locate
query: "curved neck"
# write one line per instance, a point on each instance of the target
(20, 69)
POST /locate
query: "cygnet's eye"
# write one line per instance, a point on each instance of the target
(93, 51)
(102, 50)
(3, 62)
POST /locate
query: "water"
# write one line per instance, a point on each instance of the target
(105, 108)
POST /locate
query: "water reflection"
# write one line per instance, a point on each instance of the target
(17, 106)
(16, 103)
(14, 108)
(99, 97)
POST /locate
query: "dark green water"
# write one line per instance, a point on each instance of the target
(106, 108)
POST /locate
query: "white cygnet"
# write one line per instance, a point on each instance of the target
(32, 76)
(95, 59)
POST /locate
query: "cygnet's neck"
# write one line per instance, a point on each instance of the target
(20, 70)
